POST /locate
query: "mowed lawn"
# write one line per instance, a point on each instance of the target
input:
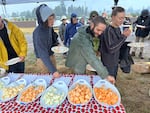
(134, 88)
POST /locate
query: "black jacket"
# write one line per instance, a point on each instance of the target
(125, 58)
(144, 21)
(110, 44)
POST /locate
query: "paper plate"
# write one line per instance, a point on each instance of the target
(106, 84)
(2, 71)
(80, 82)
(59, 49)
(126, 25)
(90, 68)
(14, 87)
(35, 84)
(137, 44)
(54, 95)
(13, 61)
(140, 26)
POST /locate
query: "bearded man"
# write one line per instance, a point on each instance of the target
(81, 51)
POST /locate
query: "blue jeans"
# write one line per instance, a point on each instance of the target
(113, 71)
(17, 68)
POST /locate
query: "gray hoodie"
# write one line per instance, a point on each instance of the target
(42, 38)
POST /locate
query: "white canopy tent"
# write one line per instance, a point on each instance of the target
(7, 2)
(3, 3)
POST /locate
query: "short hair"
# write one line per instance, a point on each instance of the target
(117, 10)
(98, 19)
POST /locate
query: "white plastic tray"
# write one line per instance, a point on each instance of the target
(13, 84)
(65, 79)
(37, 82)
(81, 82)
(107, 84)
(5, 80)
(58, 88)
(79, 77)
(14, 76)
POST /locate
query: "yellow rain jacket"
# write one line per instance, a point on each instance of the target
(17, 40)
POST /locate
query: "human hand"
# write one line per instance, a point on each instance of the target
(127, 32)
(111, 79)
(22, 58)
(56, 74)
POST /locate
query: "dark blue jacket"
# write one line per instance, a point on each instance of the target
(71, 29)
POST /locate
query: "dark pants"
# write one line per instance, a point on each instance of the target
(17, 68)
(113, 71)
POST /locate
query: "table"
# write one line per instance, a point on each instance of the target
(66, 107)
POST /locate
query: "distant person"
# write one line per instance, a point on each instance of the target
(104, 15)
(12, 44)
(62, 27)
(81, 50)
(112, 40)
(142, 32)
(93, 14)
(82, 21)
(44, 38)
(71, 29)
(127, 21)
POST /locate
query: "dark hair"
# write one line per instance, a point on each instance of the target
(117, 10)
(145, 13)
(93, 14)
(99, 19)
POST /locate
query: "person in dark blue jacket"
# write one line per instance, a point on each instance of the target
(44, 38)
(142, 32)
(71, 29)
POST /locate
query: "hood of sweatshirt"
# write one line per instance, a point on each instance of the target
(42, 13)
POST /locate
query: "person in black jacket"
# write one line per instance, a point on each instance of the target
(112, 40)
(142, 32)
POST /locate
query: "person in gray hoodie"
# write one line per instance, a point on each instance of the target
(44, 38)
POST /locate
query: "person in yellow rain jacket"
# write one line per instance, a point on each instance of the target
(12, 44)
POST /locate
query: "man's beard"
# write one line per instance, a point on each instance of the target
(93, 33)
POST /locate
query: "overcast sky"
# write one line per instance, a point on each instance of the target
(91, 4)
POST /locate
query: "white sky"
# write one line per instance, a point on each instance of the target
(91, 4)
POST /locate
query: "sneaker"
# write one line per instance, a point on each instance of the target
(133, 53)
(140, 56)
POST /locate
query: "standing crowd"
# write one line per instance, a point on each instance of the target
(98, 43)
